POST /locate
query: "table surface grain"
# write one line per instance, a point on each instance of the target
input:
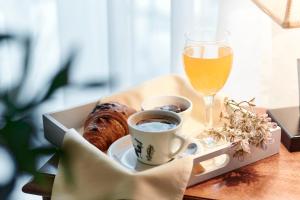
(276, 177)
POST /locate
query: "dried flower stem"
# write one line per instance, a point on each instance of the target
(243, 127)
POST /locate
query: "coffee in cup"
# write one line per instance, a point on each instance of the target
(155, 136)
(156, 124)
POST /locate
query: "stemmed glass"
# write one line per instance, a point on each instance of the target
(207, 60)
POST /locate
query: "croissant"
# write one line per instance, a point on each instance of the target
(107, 123)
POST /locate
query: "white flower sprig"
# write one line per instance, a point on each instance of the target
(243, 127)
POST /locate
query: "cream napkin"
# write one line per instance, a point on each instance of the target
(95, 176)
(170, 85)
(98, 177)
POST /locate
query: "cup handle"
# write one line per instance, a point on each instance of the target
(183, 144)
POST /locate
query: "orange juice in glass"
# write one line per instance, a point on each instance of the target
(207, 59)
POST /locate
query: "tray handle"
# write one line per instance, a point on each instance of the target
(224, 149)
(202, 176)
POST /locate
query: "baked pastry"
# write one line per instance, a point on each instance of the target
(107, 123)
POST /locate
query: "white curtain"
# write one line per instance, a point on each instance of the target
(130, 41)
(136, 40)
(37, 19)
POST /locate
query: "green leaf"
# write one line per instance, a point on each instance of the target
(10, 107)
(6, 36)
(6, 189)
(61, 79)
(44, 150)
(17, 129)
(17, 136)
(26, 47)
(91, 84)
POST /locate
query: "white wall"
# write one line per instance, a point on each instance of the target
(284, 90)
(251, 39)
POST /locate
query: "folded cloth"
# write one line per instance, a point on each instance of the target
(171, 85)
(92, 175)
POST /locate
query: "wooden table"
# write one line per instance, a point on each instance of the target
(276, 177)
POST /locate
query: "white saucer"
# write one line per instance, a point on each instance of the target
(122, 151)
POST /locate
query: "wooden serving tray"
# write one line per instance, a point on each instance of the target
(57, 123)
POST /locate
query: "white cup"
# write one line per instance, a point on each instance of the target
(155, 148)
(153, 103)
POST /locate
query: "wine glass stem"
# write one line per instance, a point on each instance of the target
(208, 101)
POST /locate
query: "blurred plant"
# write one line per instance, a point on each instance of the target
(17, 126)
